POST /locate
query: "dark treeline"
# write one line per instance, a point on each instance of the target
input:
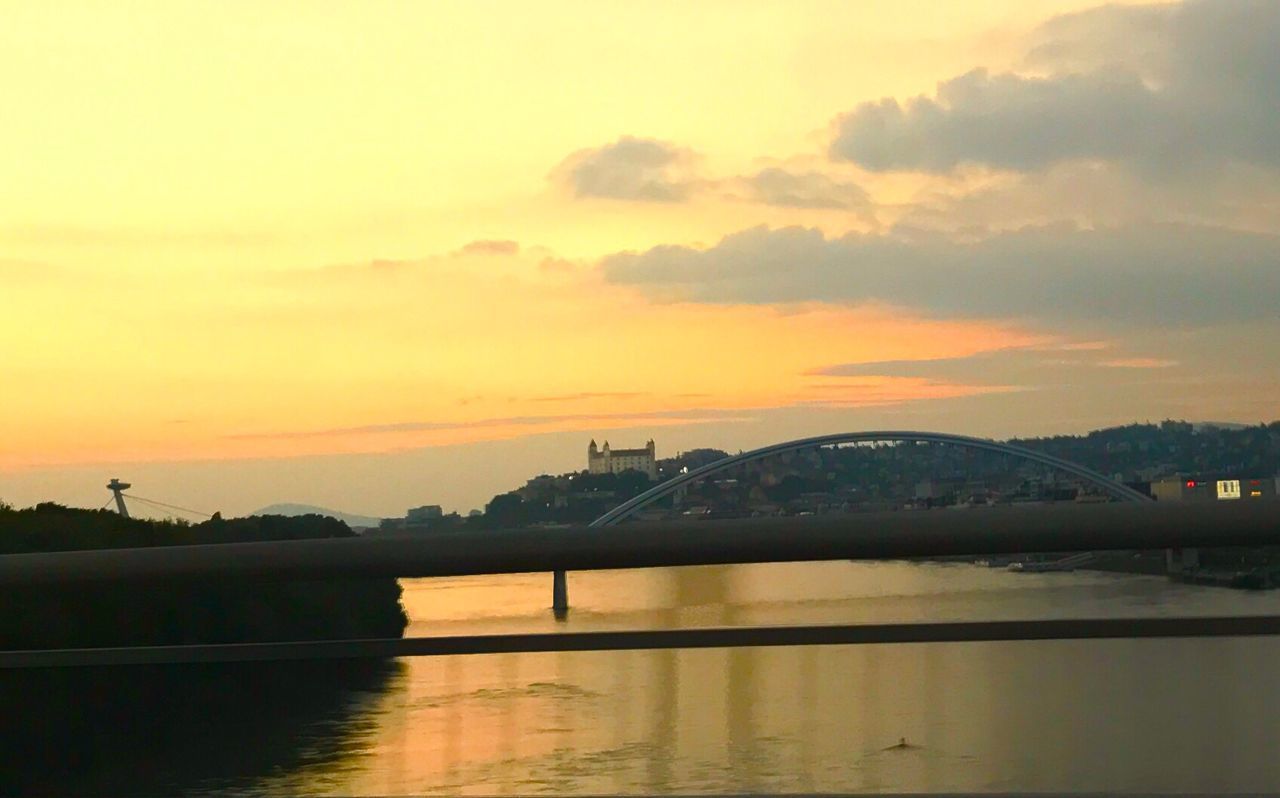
(212, 611)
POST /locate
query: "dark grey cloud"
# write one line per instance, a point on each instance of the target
(1198, 89)
(629, 169)
(777, 186)
(648, 170)
(1005, 121)
(1128, 37)
(1154, 274)
(1095, 193)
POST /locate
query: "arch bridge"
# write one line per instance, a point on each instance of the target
(560, 602)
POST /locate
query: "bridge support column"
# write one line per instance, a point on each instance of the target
(560, 594)
(1182, 561)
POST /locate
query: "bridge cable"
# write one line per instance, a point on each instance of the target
(167, 506)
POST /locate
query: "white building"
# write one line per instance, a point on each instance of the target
(615, 461)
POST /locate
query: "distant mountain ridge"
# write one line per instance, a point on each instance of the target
(349, 519)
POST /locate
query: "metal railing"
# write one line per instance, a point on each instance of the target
(872, 536)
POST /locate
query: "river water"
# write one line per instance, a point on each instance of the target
(1127, 715)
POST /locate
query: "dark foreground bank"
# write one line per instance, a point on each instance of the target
(167, 730)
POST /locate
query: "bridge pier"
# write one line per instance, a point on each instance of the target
(1181, 561)
(560, 594)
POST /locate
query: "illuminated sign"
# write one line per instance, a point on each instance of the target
(1228, 489)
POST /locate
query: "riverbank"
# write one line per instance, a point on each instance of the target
(1146, 563)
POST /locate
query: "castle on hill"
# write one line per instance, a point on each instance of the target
(615, 461)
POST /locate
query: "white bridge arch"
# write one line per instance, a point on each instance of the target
(622, 511)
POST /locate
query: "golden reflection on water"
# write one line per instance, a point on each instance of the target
(1118, 715)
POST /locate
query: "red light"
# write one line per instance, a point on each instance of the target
(1191, 483)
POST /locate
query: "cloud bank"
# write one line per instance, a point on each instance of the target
(1196, 86)
(1028, 367)
(629, 169)
(648, 170)
(491, 247)
(1155, 274)
(782, 188)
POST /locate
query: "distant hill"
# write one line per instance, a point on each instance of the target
(349, 519)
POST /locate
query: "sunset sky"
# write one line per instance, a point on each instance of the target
(371, 255)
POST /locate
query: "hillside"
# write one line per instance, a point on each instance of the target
(291, 510)
(891, 476)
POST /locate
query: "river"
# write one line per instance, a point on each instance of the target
(1128, 715)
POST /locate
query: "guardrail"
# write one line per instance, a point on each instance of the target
(896, 535)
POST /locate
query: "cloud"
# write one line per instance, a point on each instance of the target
(630, 168)
(585, 395)
(777, 186)
(1005, 121)
(648, 170)
(680, 416)
(1131, 37)
(488, 247)
(552, 264)
(1096, 193)
(1199, 90)
(1024, 367)
(871, 393)
(1161, 275)
(1139, 363)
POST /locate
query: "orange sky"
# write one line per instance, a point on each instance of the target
(440, 350)
(250, 230)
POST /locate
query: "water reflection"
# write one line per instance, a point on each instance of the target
(185, 729)
(1127, 715)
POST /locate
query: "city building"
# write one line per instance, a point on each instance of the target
(1214, 488)
(614, 461)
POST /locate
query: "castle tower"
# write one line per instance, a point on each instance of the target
(596, 462)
